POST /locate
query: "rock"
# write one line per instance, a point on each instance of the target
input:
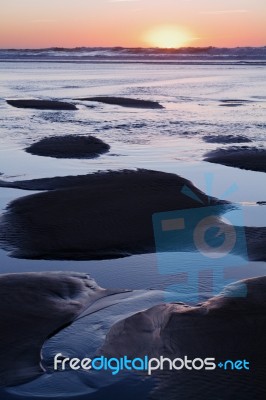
(250, 158)
(70, 146)
(124, 102)
(42, 104)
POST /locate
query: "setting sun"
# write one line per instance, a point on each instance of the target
(167, 37)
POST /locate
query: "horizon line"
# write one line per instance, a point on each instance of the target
(130, 47)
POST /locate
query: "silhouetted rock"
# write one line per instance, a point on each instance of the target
(124, 102)
(224, 139)
(250, 158)
(42, 104)
(70, 146)
(96, 216)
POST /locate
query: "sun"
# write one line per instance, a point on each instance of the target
(167, 37)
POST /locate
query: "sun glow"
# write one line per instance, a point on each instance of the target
(167, 37)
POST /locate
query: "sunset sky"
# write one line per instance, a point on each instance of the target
(132, 23)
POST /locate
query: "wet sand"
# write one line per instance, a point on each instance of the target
(223, 327)
(214, 327)
(98, 216)
(33, 307)
(226, 327)
(104, 215)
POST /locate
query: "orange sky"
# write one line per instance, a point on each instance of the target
(132, 23)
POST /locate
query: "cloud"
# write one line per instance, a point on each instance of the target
(224, 12)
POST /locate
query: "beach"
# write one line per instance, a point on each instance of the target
(102, 164)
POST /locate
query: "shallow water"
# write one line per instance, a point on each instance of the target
(191, 97)
(169, 140)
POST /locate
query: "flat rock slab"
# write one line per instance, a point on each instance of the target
(70, 146)
(252, 158)
(124, 102)
(42, 104)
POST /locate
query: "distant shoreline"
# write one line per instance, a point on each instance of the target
(242, 63)
(183, 56)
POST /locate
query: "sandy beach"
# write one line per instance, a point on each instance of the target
(81, 194)
(132, 200)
